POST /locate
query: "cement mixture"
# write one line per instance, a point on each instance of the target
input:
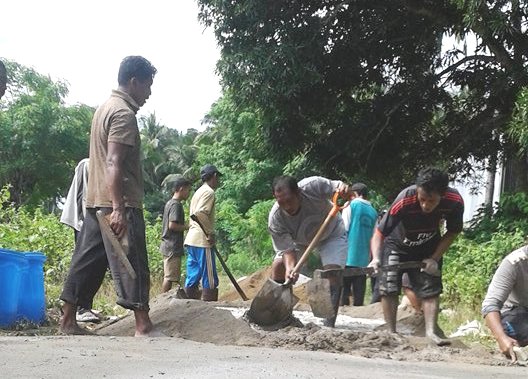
(221, 323)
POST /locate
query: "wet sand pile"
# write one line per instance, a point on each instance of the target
(203, 322)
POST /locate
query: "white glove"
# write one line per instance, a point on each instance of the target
(375, 264)
(431, 267)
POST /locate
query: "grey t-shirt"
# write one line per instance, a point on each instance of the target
(296, 232)
(171, 241)
(509, 287)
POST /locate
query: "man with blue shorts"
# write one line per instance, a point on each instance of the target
(201, 265)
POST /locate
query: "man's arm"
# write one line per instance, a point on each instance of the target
(114, 171)
(498, 291)
(447, 239)
(175, 227)
(506, 343)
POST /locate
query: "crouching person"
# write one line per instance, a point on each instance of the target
(505, 308)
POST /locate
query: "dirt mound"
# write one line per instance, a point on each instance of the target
(204, 322)
(253, 283)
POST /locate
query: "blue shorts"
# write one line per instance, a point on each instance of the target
(201, 265)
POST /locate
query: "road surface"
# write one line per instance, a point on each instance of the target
(128, 357)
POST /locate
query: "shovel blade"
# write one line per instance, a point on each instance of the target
(319, 297)
(272, 304)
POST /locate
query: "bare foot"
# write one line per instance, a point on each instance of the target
(154, 332)
(438, 341)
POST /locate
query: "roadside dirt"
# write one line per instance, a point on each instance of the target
(215, 323)
(204, 322)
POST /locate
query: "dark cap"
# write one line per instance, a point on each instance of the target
(209, 169)
(179, 182)
(360, 188)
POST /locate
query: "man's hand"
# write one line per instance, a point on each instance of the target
(375, 264)
(344, 191)
(506, 345)
(211, 239)
(118, 222)
(290, 260)
(431, 267)
(291, 275)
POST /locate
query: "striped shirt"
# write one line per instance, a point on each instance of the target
(407, 228)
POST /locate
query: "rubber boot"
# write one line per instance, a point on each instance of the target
(210, 294)
(193, 293)
(336, 287)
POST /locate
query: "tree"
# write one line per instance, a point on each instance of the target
(367, 86)
(165, 152)
(235, 144)
(41, 139)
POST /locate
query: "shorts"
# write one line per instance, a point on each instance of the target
(172, 268)
(333, 250)
(423, 284)
(515, 324)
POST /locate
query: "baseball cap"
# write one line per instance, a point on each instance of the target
(209, 169)
(360, 188)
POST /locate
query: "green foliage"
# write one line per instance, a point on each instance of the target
(474, 257)
(24, 230)
(41, 139)
(379, 90)
(165, 152)
(470, 265)
(511, 216)
(245, 237)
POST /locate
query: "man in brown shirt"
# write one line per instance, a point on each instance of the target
(116, 188)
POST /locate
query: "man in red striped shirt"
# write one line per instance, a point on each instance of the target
(410, 231)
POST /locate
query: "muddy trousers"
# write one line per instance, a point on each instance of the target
(355, 285)
(94, 255)
(336, 288)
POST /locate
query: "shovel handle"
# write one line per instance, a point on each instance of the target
(222, 262)
(333, 212)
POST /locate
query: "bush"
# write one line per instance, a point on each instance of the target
(469, 266)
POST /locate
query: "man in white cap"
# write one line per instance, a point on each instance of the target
(201, 264)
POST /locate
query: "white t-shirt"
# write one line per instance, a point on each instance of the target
(296, 232)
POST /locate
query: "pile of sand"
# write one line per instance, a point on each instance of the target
(253, 283)
(203, 322)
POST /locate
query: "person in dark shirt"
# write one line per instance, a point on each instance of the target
(172, 234)
(410, 231)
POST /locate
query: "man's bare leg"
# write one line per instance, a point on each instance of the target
(430, 308)
(389, 303)
(68, 322)
(144, 326)
(278, 271)
(166, 286)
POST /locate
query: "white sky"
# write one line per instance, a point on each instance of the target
(84, 42)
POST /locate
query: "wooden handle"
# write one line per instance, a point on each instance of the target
(118, 248)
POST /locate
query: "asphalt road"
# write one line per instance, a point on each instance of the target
(128, 357)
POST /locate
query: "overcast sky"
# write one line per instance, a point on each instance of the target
(83, 42)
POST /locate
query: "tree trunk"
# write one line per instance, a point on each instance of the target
(515, 174)
(490, 188)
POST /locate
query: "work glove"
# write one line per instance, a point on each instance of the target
(431, 267)
(375, 264)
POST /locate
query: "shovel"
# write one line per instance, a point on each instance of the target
(222, 262)
(275, 301)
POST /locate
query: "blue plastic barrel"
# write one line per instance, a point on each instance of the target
(11, 266)
(31, 299)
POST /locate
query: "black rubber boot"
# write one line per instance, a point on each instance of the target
(210, 294)
(193, 293)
